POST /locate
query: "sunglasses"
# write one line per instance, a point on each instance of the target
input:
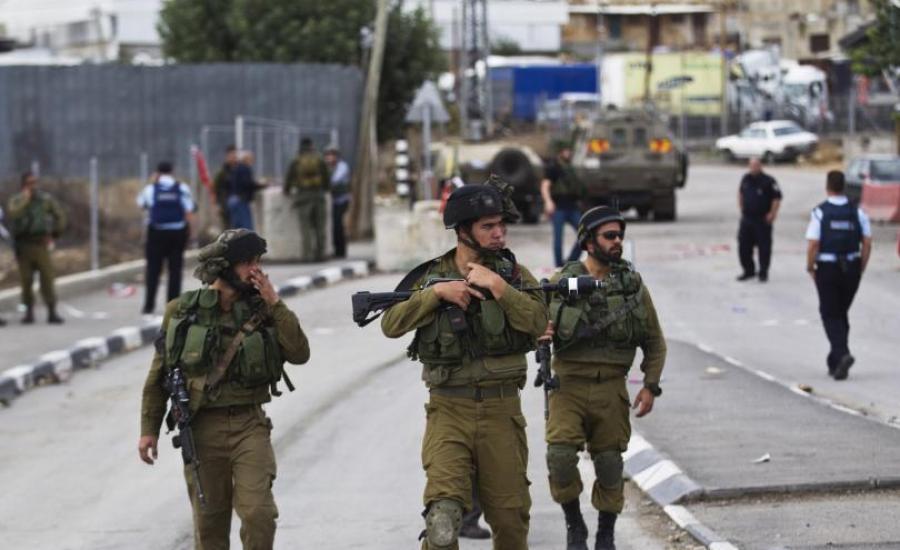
(612, 235)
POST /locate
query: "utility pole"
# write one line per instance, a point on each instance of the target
(723, 116)
(365, 174)
(476, 109)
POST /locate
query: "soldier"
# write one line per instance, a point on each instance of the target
(230, 339)
(307, 180)
(562, 190)
(222, 184)
(759, 199)
(471, 337)
(595, 338)
(37, 220)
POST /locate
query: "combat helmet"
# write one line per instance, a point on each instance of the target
(232, 247)
(471, 202)
(594, 218)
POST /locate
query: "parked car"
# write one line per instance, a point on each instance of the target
(770, 141)
(872, 169)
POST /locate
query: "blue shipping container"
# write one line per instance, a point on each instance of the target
(521, 90)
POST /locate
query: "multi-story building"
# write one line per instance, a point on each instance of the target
(93, 30)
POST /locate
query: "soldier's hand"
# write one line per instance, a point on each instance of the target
(643, 402)
(548, 334)
(147, 448)
(485, 278)
(549, 209)
(457, 292)
(261, 282)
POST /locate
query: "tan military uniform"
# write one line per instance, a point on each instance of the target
(474, 417)
(34, 222)
(232, 436)
(309, 188)
(591, 407)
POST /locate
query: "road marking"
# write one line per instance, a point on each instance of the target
(360, 268)
(705, 348)
(770, 323)
(732, 361)
(79, 314)
(97, 346)
(61, 361)
(131, 336)
(722, 546)
(847, 410)
(801, 322)
(23, 376)
(656, 474)
(331, 274)
(764, 375)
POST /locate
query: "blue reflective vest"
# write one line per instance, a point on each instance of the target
(167, 205)
(841, 231)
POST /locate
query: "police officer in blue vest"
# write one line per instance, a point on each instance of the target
(840, 241)
(759, 198)
(169, 205)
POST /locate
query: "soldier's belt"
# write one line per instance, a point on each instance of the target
(478, 393)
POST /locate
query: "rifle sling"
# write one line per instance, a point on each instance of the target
(218, 372)
(615, 315)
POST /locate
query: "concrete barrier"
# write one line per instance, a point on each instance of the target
(278, 223)
(405, 238)
(881, 202)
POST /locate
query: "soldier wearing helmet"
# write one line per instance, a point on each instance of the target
(471, 336)
(230, 339)
(595, 338)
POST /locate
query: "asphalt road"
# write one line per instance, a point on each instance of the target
(348, 439)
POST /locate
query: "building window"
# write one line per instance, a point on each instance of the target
(819, 43)
(614, 26)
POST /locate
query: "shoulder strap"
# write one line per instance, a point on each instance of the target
(417, 273)
(218, 372)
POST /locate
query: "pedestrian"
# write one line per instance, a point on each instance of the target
(169, 207)
(759, 198)
(242, 192)
(37, 221)
(340, 198)
(471, 337)
(230, 339)
(839, 239)
(595, 338)
(562, 190)
(222, 184)
(307, 181)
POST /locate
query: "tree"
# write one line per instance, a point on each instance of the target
(880, 50)
(314, 31)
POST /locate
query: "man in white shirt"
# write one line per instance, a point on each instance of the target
(169, 205)
(839, 240)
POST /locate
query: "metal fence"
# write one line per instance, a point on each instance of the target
(59, 117)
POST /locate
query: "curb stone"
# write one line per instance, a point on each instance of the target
(58, 366)
(664, 482)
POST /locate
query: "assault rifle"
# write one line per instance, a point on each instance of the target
(545, 376)
(180, 416)
(368, 306)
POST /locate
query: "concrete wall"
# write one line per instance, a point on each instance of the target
(405, 238)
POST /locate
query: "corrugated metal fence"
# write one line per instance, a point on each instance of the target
(62, 116)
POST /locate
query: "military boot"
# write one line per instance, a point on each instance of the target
(576, 530)
(29, 316)
(606, 525)
(52, 317)
(471, 529)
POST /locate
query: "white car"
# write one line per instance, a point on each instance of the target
(770, 141)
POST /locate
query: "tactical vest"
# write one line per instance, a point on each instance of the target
(198, 334)
(448, 345)
(36, 221)
(309, 170)
(167, 206)
(567, 186)
(841, 233)
(607, 325)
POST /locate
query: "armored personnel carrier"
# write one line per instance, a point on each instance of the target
(628, 158)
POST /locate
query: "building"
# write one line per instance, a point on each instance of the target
(805, 30)
(634, 25)
(92, 30)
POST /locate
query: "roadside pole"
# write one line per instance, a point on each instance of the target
(95, 216)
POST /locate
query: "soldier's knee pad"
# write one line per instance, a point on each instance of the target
(608, 467)
(562, 462)
(442, 523)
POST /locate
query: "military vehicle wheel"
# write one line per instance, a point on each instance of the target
(768, 157)
(643, 212)
(729, 155)
(664, 208)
